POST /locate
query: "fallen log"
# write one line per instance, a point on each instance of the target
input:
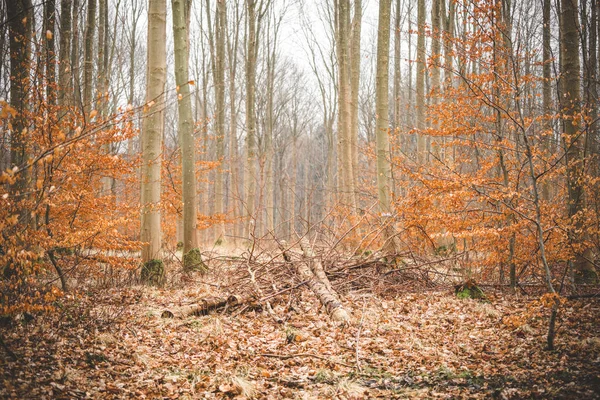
(206, 306)
(315, 265)
(328, 299)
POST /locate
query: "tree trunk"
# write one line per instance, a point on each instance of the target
(232, 46)
(65, 73)
(546, 91)
(397, 69)
(328, 299)
(355, 58)
(220, 32)
(50, 56)
(592, 90)
(152, 131)
(88, 62)
(75, 66)
(250, 168)
(185, 127)
(19, 14)
(584, 270)
(421, 68)
(381, 109)
(345, 178)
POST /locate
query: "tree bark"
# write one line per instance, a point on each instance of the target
(88, 63)
(232, 47)
(75, 65)
(328, 299)
(65, 73)
(152, 131)
(384, 169)
(584, 270)
(50, 56)
(220, 32)
(355, 58)
(185, 127)
(250, 167)
(345, 178)
(546, 91)
(19, 14)
(421, 68)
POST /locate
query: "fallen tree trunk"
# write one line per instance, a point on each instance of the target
(206, 306)
(315, 265)
(328, 299)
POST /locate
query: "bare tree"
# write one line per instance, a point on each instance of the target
(152, 133)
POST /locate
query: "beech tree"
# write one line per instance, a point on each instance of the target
(19, 14)
(152, 131)
(573, 139)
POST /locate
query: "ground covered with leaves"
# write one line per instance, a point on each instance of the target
(113, 343)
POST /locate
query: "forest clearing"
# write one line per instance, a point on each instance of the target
(401, 343)
(299, 199)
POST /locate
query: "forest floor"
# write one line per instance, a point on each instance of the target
(112, 343)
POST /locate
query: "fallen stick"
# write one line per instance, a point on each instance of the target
(287, 356)
(205, 306)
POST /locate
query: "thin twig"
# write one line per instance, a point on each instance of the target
(362, 317)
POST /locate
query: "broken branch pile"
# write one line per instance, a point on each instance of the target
(271, 270)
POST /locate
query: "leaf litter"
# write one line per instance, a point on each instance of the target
(112, 343)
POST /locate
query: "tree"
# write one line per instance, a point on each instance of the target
(65, 74)
(216, 39)
(152, 131)
(88, 63)
(421, 69)
(345, 185)
(355, 58)
(191, 254)
(573, 136)
(546, 87)
(232, 55)
(19, 14)
(219, 77)
(382, 104)
(255, 13)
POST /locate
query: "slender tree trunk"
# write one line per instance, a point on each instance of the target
(232, 47)
(345, 178)
(186, 128)
(219, 77)
(293, 186)
(355, 58)
(397, 68)
(100, 72)
(65, 73)
(593, 84)
(50, 56)
(88, 63)
(410, 107)
(250, 168)
(421, 67)
(584, 270)
(546, 91)
(75, 65)
(19, 15)
(435, 70)
(384, 169)
(270, 125)
(102, 81)
(448, 38)
(152, 130)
